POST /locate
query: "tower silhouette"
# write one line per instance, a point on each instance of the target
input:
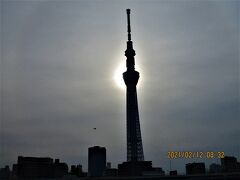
(134, 139)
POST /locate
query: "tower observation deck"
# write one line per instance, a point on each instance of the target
(134, 139)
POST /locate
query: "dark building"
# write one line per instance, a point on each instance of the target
(215, 168)
(34, 167)
(155, 171)
(134, 139)
(14, 170)
(238, 166)
(110, 172)
(195, 168)
(59, 169)
(39, 167)
(5, 173)
(96, 161)
(173, 173)
(108, 165)
(134, 168)
(230, 164)
(77, 171)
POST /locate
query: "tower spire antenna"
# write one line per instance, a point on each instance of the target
(128, 24)
(129, 53)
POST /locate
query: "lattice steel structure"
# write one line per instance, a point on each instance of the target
(134, 139)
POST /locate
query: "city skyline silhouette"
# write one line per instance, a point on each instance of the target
(59, 97)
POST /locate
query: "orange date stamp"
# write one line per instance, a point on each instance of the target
(195, 154)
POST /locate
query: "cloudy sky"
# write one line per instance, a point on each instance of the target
(60, 60)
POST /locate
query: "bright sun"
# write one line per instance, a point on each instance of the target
(118, 75)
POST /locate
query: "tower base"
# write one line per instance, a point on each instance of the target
(134, 168)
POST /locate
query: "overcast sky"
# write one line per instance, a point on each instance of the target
(58, 60)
